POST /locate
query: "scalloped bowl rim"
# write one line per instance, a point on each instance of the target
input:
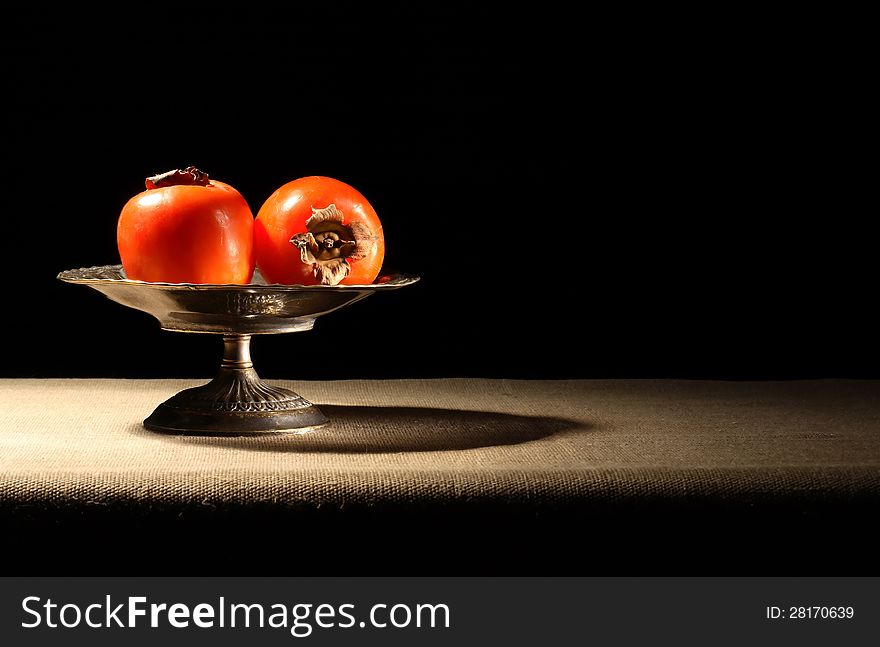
(396, 280)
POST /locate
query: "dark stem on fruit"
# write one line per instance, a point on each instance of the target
(188, 177)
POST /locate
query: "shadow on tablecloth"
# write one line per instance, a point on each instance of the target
(366, 429)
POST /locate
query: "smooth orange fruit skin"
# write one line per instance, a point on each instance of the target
(187, 234)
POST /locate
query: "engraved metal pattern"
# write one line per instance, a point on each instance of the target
(248, 303)
(100, 273)
(237, 390)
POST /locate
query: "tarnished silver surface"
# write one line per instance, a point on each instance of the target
(256, 308)
(236, 402)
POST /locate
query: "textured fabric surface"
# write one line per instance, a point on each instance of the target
(540, 442)
(442, 477)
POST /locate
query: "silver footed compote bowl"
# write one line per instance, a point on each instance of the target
(236, 402)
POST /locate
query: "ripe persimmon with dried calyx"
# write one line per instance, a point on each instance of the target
(187, 228)
(318, 231)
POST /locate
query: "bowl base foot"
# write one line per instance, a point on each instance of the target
(168, 420)
(236, 403)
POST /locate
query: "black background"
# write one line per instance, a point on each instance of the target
(633, 195)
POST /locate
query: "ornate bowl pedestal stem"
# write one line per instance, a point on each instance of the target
(236, 402)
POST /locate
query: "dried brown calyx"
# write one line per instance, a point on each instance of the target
(188, 176)
(329, 244)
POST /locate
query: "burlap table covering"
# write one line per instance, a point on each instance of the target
(454, 444)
